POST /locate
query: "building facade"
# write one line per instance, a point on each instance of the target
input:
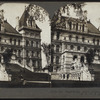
(25, 41)
(71, 39)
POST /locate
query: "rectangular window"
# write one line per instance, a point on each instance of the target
(19, 42)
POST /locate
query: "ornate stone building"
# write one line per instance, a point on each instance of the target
(25, 42)
(31, 38)
(72, 38)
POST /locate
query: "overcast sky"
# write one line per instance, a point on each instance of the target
(16, 9)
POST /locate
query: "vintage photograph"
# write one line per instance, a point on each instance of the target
(49, 44)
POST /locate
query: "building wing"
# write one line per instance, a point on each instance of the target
(8, 28)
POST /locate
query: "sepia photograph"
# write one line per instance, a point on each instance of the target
(49, 44)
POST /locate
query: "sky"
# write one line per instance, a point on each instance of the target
(12, 10)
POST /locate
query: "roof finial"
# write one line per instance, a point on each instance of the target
(25, 7)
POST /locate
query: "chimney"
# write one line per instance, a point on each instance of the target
(2, 15)
(85, 15)
(17, 23)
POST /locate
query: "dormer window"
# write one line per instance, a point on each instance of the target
(30, 22)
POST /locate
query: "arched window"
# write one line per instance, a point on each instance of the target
(78, 48)
(18, 42)
(83, 39)
(64, 38)
(70, 37)
(71, 47)
(74, 57)
(82, 59)
(85, 48)
(10, 40)
(76, 38)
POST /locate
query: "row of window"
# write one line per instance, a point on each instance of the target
(30, 63)
(12, 41)
(18, 42)
(32, 35)
(77, 27)
(78, 47)
(32, 43)
(77, 38)
(32, 54)
(83, 39)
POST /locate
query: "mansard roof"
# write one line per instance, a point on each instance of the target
(23, 19)
(91, 28)
(9, 29)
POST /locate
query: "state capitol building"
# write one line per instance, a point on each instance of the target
(25, 41)
(71, 38)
